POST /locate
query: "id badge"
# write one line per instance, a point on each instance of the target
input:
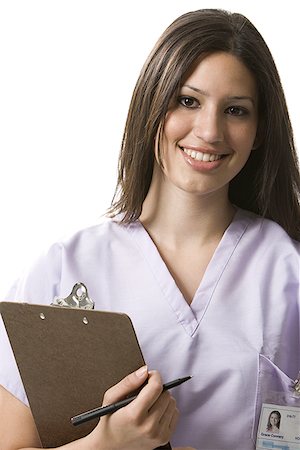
(279, 427)
(279, 423)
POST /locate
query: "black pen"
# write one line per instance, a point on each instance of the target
(109, 409)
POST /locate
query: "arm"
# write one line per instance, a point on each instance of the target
(146, 423)
(17, 427)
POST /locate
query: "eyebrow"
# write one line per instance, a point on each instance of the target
(234, 97)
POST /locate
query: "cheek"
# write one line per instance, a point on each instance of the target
(243, 137)
(174, 128)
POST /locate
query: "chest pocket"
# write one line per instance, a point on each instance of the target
(270, 379)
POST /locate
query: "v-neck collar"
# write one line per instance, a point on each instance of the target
(190, 316)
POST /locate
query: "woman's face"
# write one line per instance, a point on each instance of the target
(210, 131)
(274, 420)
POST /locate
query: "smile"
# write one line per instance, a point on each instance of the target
(200, 156)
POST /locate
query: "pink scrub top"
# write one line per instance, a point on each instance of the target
(238, 338)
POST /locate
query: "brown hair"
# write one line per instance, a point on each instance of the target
(269, 183)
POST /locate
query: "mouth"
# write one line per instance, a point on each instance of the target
(202, 156)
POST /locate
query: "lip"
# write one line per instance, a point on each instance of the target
(202, 166)
(194, 148)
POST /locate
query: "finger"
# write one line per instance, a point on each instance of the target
(150, 393)
(159, 408)
(162, 417)
(169, 417)
(173, 422)
(167, 414)
(126, 386)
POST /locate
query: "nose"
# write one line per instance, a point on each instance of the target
(208, 126)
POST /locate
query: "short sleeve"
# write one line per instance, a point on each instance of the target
(39, 285)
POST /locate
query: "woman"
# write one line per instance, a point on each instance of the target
(274, 422)
(201, 249)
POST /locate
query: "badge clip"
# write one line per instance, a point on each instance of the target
(296, 385)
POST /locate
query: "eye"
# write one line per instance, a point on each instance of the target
(236, 111)
(188, 102)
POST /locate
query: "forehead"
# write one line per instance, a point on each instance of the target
(221, 73)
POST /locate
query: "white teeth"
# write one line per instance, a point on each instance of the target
(199, 156)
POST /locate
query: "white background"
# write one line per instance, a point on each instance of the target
(67, 70)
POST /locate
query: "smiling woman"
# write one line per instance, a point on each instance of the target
(210, 131)
(263, 185)
(200, 247)
(273, 425)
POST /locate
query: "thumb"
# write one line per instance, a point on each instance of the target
(126, 386)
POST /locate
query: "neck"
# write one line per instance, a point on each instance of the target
(176, 217)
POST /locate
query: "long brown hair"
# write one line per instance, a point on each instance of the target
(269, 183)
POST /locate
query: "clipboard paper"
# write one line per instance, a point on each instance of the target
(67, 359)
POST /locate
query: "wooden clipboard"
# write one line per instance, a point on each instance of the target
(67, 359)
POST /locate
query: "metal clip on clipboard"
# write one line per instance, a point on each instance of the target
(78, 298)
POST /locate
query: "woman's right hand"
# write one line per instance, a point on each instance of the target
(146, 423)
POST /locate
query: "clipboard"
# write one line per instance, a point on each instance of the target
(67, 359)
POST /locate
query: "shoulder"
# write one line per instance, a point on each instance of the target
(87, 248)
(268, 246)
(101, 234)
(269, 254)
(267, 233)
(93, 243)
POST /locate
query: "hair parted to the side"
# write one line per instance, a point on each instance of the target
(269, 183)
(269, 425)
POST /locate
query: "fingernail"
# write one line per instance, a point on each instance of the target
(141, 371)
